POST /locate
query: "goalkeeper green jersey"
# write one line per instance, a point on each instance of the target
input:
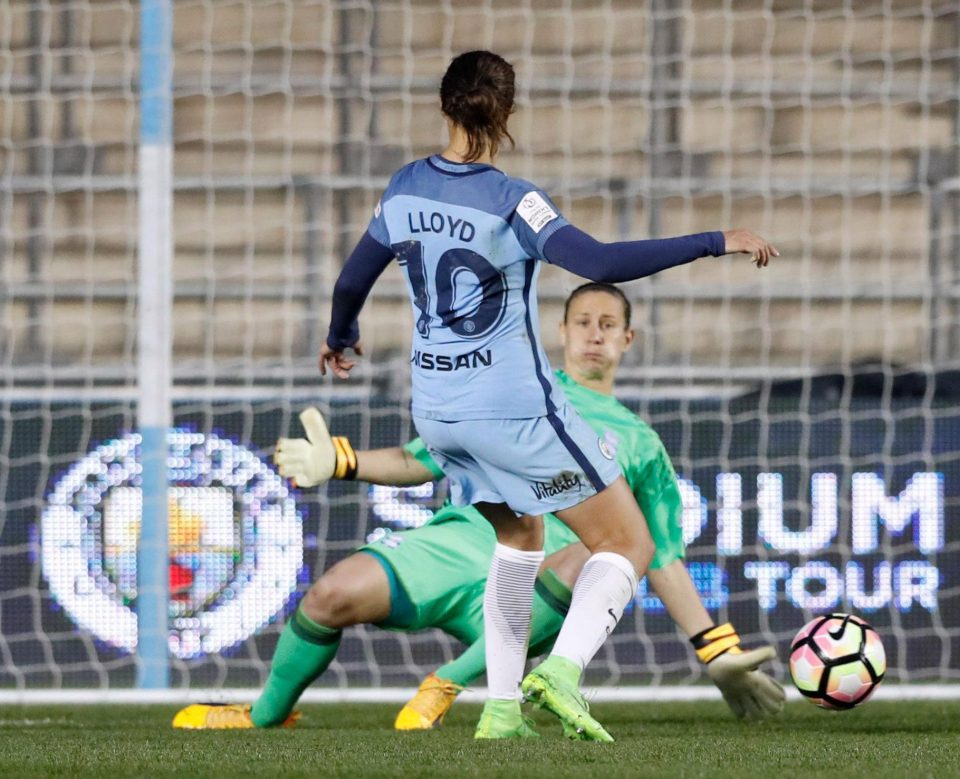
(642, 459)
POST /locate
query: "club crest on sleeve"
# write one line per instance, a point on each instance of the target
(608, 444)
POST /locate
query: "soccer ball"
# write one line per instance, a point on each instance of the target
(837, 661)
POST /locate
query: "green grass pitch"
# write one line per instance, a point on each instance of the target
(908, 739)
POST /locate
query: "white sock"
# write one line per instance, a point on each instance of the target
(605, 586)
(507, 601)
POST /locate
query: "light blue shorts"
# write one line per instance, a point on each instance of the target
(535, 465)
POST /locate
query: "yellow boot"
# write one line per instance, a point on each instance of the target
(429, 706)
(220, 716)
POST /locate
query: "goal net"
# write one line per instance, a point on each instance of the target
(810, 408)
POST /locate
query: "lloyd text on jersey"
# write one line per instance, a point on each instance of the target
(444, 224)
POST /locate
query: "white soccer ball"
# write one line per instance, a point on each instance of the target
(837, 661)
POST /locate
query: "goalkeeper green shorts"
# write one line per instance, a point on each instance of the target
(442, 570)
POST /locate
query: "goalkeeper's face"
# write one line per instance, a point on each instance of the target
(594, 335)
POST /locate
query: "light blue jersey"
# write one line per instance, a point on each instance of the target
(468, 238)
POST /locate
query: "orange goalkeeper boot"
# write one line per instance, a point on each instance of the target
(221, 716)
(429, 706)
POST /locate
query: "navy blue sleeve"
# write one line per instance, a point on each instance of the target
(577, 252)
(362, 268)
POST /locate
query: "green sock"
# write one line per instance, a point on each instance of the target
(550, 606)
(304, 651)
(468, 666)
(550, 603)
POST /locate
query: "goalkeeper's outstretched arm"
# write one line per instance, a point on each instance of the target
(319, 457)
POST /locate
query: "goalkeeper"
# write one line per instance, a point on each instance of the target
(434, 576)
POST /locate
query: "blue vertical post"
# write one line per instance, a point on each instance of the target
(154, 378)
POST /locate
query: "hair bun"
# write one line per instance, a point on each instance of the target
(477, 93)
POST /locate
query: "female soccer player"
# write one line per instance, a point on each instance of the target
(470, 239)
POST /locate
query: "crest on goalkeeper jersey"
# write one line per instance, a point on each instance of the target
(609, 444)
(235, 542)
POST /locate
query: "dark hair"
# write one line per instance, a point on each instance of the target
(477, 93)
(598, 286)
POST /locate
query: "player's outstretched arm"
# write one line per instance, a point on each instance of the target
(580, 253)
(319, 457)
(748, 691)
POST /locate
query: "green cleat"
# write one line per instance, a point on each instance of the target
(503, 719)
(554, 685)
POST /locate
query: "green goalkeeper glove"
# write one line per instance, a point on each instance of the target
(318, 458)
(748, 692)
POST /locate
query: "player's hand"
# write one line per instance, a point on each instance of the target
(311, 461)
(748, 692)
(339, 363)
(747, 242)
